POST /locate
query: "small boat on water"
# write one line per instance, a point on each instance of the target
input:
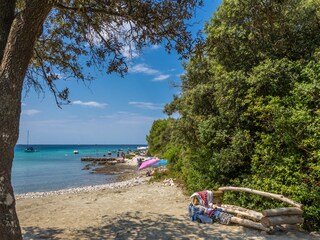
(75, 151)
(142, 148)
(29, 148)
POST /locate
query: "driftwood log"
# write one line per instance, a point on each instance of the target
(278, 220)
(264, 194)
(242, 212)
(249, 223)
(282, 211)
(268, 218)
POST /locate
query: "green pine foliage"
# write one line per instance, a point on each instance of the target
(249, 112)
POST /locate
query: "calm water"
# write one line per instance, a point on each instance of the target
(55, 167)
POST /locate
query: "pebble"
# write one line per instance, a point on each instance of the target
(315, 234)
(124, 184)
(168, 182)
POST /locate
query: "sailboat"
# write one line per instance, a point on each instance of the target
(29, 148)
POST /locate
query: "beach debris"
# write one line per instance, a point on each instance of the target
(168, 182)
(209, 215)
(315, 234)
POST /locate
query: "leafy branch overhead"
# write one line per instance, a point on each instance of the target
(105, 34)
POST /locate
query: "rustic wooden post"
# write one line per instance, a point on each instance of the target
(268, 218)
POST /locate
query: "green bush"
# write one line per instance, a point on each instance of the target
(249, 109)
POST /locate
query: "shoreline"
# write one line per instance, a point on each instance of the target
(125, 179)
(56, 167)
(116, 185)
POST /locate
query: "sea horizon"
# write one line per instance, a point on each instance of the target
(55, 166)
(91, 144)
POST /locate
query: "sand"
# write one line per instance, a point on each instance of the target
(133, 209)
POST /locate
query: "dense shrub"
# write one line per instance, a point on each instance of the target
(249, 112)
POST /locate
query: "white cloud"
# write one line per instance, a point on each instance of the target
(90, 104)
(119, 31)
(129, 52)
(162, 77)
(146, 105)
(30, 112)
(128, 118)
(142, 68)
(23, 104)
(155, 46)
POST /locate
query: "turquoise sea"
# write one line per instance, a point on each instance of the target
(55, 167)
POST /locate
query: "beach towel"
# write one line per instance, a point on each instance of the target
(204, 198)
(221, 217)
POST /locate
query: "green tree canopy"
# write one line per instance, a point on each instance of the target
(249, 104)
(243, 33)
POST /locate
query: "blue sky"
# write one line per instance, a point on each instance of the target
(110, 109)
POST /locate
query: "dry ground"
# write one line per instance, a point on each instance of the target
(148, 211)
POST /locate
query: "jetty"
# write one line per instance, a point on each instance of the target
(102, 159)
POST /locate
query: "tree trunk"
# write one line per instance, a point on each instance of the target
(16, 57)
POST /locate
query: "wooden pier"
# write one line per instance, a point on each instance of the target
(102, 159)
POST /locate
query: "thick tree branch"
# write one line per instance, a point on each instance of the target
(88, 9)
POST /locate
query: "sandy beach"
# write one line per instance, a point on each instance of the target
(131, 209)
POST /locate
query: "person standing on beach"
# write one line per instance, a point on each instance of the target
(139, 162)
(123, 155)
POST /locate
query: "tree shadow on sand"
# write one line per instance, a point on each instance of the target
(40, 233)
(137, 225)
(134, 226)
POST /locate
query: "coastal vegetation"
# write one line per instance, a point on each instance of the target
(43, 41)
(249, 108)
